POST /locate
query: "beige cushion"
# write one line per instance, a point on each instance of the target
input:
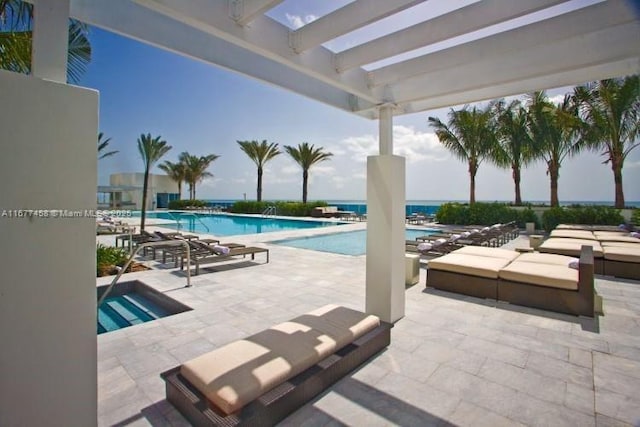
(573, 234)
(624, 254)
(545, 258)
(488, 252)
(602, 234)
(473, 265)
(549, 275)
(237, 373)
(625, 239)
(620, 244)
(570, 247)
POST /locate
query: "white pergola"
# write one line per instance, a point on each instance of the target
(483, 50)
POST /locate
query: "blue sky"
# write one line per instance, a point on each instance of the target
(203, 109)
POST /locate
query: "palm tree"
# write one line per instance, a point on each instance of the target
(176, 172)
(554, 131)
(470, 136)
(102, 145)
(195, 169)
(151, 150)
(306, 156)
(610, 110)
(515, 146)
(16, 22)
(260, 153)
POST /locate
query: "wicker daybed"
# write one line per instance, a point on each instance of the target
(262, 379)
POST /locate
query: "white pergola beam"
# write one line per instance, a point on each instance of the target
(245, 11)
(458, 22)
(623, 67)
(595, 48)
(137, 22)
(354, 15)
(576, 23)
(50, 39)
(264, 37)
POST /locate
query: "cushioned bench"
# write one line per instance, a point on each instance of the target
(622, 260)
(261, 379)
(573, 234)
(573, 248)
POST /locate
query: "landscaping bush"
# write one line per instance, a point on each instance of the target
(635, 217)
(596, 215)
(185, 204)
(484, 214)
(282, 207)
(108, 257)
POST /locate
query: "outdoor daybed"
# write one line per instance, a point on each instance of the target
(573, 247)
(262, 379)
(622, 259)
(537, 280)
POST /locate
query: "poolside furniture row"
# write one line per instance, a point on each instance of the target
(263, 378)
(545, 281)
(616, 253)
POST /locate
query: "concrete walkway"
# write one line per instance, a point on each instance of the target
(453, 360)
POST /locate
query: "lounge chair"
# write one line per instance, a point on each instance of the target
(263, 378)
(539, 280)
(217, 253)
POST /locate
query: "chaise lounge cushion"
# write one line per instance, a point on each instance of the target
(624, 239)
(549, 275)
(573, 234)
(542, 258)
(474, 265)
(240, 372)
(622, 253)
(570, 247)
(488, 252)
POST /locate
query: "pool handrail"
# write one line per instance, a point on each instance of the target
(184, 243)
(179, 225)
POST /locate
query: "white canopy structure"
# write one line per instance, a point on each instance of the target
(466, 51)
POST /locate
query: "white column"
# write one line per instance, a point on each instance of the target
(386, 227)
(50, 39)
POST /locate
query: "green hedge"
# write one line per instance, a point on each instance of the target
(282, 208)
(596, 215)
(107, 256)
(484, 214)
(635, 217)
(184, 204)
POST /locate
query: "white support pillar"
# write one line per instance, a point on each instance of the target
(386, 227)
(50, 39)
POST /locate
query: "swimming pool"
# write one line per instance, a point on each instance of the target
(231, 225)
(347, 243)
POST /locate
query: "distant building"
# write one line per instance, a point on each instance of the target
(125, 191)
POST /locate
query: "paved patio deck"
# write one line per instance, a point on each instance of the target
(453, 360)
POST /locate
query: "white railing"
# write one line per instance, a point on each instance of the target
(270, 210)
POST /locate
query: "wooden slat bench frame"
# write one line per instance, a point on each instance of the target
(622, 269)
(466, 284)
(278, 403)
(244, 251)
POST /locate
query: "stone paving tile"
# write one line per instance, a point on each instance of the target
(192, 349)
(565, 371)
(581, 357)
(146, 360)
(604, 421)
(496, 351)
(450, 356)
(468, 414)
(615, 364)
(618, 406)
(580, 398)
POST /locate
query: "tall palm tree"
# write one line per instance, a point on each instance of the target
(16, 34)
(176, 172)
(102, 145)
(470, 136)
(515, 146)
(610, 110)
(260, 153)
(554, 130)
(195, 170)
(151, 150)
(306, 156)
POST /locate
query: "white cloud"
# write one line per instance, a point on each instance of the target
(416, 146)
(320, 169)
(290, 170)
(632, 165)
(298, 21)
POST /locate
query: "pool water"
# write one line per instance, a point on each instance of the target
(231, 225)
(121, 311)
(348, 243)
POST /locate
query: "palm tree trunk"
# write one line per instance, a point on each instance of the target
(554, 172)
(145, 187)
(473, 169)
(617, 178)
(516, 182)
(305, 179)
(179, 190)
(259, 191)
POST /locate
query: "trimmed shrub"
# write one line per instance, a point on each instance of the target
(285, 208)
(185, 204)
(635, 217)
(484, 214)
(596, 215)
(108, 256)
